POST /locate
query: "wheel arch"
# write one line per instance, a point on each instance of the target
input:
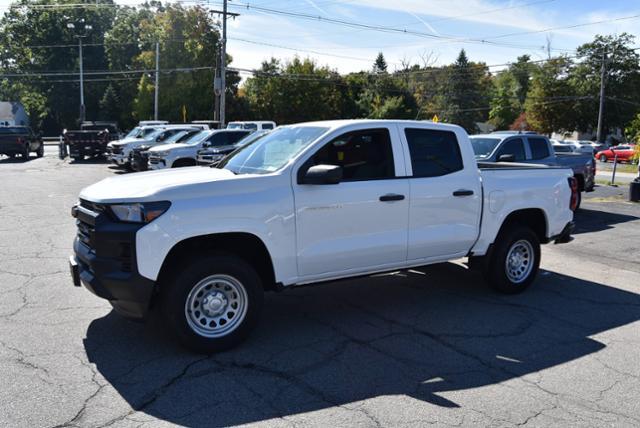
(534, 218)
(245, 245)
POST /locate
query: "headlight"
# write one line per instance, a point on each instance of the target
(161, 154)
(139, 212)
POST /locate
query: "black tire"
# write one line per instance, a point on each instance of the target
(25, 152)
(603, 158)
(40, 151)
(77, 158)
(496, 272)
(216, 271)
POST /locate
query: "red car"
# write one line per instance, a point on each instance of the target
(624, 152)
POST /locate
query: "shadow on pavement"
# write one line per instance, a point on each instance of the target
(595, 221)
(418, 333)
(16, 159)
(90, 161)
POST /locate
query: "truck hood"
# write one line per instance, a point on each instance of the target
(173, 146)
(151, 185)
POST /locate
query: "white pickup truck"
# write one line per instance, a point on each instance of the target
(310, 203)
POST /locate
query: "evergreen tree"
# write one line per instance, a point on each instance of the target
(465, 93)
(380, 65)
(109, 105)
(504, 104)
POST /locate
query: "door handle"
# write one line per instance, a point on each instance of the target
(463, 192)
(391, 197)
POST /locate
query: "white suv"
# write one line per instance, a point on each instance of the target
(184, 154)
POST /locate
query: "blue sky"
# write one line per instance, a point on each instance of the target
(450, 21)
(446, 26)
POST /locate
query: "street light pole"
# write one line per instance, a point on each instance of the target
(85, 28)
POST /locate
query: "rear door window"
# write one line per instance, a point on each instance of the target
(234, 137)
(515, 147)
(539, 148)
(433, 153)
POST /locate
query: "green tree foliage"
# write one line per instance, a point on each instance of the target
(25, 33)
(380, 65)
(622, 83)
(521, 71)
(295, 91)
(549, 101)
(109, 105)
(466, 93)
(505, 107)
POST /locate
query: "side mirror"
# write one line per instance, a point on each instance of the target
(322, 174)
(507, 158)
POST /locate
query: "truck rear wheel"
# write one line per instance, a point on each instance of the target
(514, 261)
(40, 151)
(213, 303)
(25, 152)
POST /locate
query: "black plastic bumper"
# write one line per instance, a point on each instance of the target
(564, 236)
(104, 262)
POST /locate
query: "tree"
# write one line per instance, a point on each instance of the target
(109, 104)
(521, 71)
(622, 81)
(466, 93)
(550, 97)
(380, 65)
(295, 91)
(25, 36)
(504, 104)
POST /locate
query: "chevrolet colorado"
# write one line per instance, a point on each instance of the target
(310, 203)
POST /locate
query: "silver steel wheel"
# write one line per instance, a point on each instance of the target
(216, 306)
(520, 261)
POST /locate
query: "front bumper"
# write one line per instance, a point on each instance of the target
(157, 163)
(104, 262)
(119, 159)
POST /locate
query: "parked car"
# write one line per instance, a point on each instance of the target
(139, 156)
(624, 153)
(20, 140)
(91, 139)
(120, 151)
(563, 148)
(259, 125)
(536, 149)
(220, 149)
(184, 154)
(305, 204)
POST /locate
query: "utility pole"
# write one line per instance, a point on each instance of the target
(603, 71)
(220, 82)
(223, 66)
(157, 85)
(82, 108)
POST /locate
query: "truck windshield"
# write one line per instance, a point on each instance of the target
(195, 139)
(482, 147)
(272, 152)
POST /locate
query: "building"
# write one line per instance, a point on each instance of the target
(12, 113)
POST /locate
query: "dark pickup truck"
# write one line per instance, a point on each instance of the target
(91, 139)
(20, 140)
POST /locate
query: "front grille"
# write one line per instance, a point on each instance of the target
(115, 150)
(86, 230)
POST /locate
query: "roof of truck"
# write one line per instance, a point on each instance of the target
(333, 124)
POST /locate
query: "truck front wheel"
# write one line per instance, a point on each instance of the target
(213, 303)
(514, 261)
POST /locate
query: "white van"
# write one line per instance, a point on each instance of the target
(258, 125)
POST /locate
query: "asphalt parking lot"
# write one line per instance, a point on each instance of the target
(432, 346)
